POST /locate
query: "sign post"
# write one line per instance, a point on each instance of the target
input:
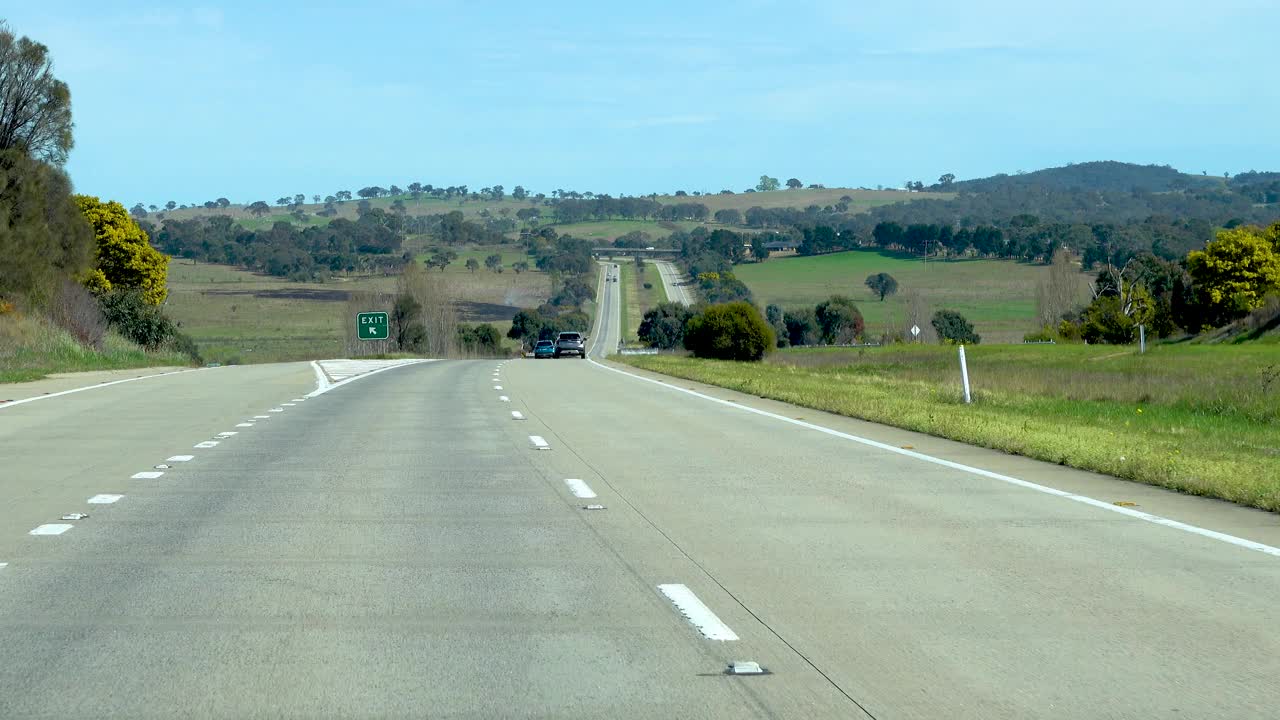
(372, 326)
(964, 376)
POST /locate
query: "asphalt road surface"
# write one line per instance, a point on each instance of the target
(671, 280)
(403, 545)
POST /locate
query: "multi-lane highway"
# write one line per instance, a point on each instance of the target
(415, 543)
(677, 291)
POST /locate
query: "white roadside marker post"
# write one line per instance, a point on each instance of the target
(1142, 339)
(964, 376)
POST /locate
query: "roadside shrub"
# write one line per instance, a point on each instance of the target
(732, 331)
(802, 327)
(182, 343)
(1105, 322)
(648, 286)
(839, 320)
(1044, 334)
(482, 339)
(663, 326)
(128, 312)
(953, 328)
(75, 310)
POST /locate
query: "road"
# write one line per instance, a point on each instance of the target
(399, 546)
(671, 280)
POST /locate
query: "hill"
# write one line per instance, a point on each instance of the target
(1103, 176)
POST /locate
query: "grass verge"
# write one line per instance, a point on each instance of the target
(1201, 420)
(32, 348)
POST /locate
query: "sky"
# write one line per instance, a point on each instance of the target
(252, 101)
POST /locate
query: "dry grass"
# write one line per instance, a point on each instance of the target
(1201, 420)
(33, 347)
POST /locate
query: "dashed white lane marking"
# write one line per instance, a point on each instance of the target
(180, 458)
(288, 404)
(1084, 499)
(298, 400)
(227, 433)
(147, 475)
(539, 442)
(517, 415)
(276, 409)
(244, 424)
(698, 614)
(103, 499)
(504, 398)
(13, 403)
(579, 488)
(497, 387)
(207, 444)
(261, 417)
(51, 529)
(3, 565)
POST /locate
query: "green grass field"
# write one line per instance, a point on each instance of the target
(1198, 419)
(606, 231)
(239, 316)
(997, 296)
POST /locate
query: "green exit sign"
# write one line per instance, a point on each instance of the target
(372, 326)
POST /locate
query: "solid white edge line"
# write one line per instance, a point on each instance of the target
(697, 613)
(94, 387)
(1084, 499)
(322, 388)
(579, 488)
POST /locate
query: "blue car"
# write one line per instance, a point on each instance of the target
(544, 349)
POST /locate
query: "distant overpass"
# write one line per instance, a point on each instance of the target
(634, 252)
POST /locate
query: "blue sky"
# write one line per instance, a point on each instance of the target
(253, 101)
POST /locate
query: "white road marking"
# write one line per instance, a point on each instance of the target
(497, 387)
(504, 398)
(3, 565)
(227, 433)
(288, 404)
(698, 614)
(298, 400)
(261, 417)
(207, 444)
(12, 403)
(103, 499)
(579, 488)
(539, 442)
(517, 415)
(244, 424)
(1084, 499)
(276, 409)
(332, 374)
(147, 475)
(51, 529)
(180, 458)
(74, 516)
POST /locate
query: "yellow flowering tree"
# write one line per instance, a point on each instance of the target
(124, 258)
(1236, 271)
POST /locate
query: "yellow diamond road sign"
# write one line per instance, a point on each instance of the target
(372, 326)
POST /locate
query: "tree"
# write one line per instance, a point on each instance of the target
(732, 331)
(138, 211)
(663, 326)
(299, 199)
(259, 208)
(953, 328)
(406, 323)
(521, 266)
(839, 320)
(1235, 272)
(519, 193)
(315, 199)
(35, 106)
(170, 205)
(125, 259)
(802, 327)
(526, 324)
(493, 262)
(473, 264)
(43, 236)
(767, 184)
(223, 203)
(882, 284)
(794, 184)
(729, 216)
(946, 180)
(1061, 292)
(758, 249)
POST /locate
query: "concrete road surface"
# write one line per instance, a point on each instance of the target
(403, 546)
(673, 281)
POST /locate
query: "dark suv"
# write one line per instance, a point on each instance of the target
(571, 343)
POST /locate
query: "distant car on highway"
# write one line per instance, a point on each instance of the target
(571, 343)
(544, 349)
